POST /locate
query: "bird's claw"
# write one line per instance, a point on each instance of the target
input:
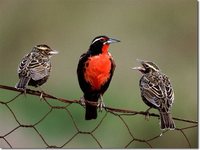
(82, 101)
(101, 105)
(147, 114)
(161, 134)
(41, 95)
(24, 92)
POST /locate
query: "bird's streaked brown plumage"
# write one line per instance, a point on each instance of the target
(35, 67)
(157, 92)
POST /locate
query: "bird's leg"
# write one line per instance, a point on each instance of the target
(147, 113)
(82, 101)
(24, 92)
(41, 93)
(161, 133)
(101, 103)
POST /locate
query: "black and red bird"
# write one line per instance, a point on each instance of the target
(95, 70)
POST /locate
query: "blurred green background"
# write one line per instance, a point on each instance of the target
(163, 31)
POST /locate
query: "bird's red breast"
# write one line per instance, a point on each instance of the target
(98, 69)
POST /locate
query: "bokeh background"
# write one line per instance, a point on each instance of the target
(161, 31)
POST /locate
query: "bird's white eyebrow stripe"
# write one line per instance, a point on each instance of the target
(153, 67)
(42, 48)
(97, 40)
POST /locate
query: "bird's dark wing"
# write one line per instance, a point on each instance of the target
(169, 90)
(113, 66)
(34, 66)
(85, 86)
(151, 92)
(23, 70)
(157, 90)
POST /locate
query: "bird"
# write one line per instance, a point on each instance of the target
(34, 68)
(157, 92)
(94, 71)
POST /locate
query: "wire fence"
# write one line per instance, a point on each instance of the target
(119, 113)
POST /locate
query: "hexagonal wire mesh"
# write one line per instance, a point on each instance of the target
(6, 136)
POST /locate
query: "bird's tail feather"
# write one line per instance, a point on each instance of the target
(22, 83)
(166, 121)
(91, 112)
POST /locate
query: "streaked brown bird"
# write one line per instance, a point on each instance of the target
(35, 67)
(157, 92)
(95, 70)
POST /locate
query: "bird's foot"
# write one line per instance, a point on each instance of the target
(101, 104)
(23, 91)
(161, 133)
(41, 95)
(82, 101)
(147, 114)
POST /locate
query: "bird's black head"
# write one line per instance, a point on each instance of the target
(44, 49)
(147, 67)
(100, 44)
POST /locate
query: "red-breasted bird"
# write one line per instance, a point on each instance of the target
(35, 67)
(95, 70)
(157, 92)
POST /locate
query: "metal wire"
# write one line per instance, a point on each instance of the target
(119, 113)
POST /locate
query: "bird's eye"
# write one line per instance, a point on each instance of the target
(146, 66)
(102, 40)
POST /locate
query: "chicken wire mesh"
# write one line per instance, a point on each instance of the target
(20, 133)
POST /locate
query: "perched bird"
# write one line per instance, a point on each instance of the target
(35, 67)
(157, 92)
(95, 70)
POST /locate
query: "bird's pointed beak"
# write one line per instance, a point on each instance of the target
(140, 68)
(53, 52)
(136, 68)
(111, 40)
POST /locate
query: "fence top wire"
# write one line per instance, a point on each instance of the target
(114, 111)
